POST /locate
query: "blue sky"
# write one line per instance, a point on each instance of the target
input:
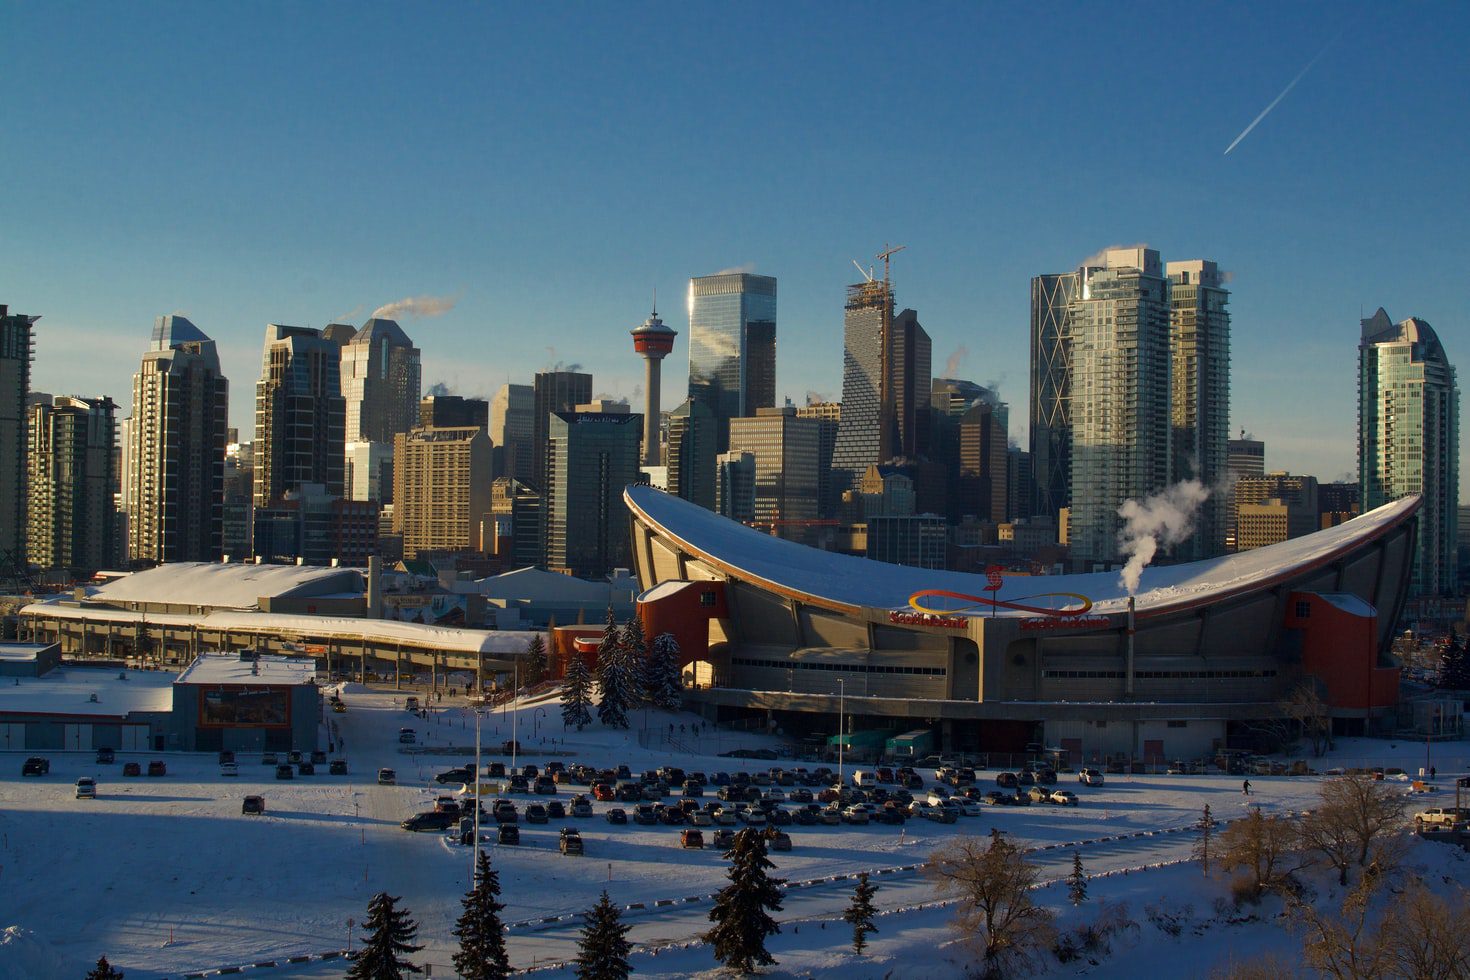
(549, 166)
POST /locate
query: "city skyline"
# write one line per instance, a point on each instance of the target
(237, 247)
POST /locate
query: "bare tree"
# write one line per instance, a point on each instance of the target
(1313, 718)
(1265, 967)
(1422, 937)
(1372, 811)
(1342, 944)
(1260, 845)
(992, 883)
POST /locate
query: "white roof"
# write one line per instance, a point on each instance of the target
(537, 584)
(22, 652)
(447, 638)
(233, 586)
(69, 690)
(228, 668)
(862, 582)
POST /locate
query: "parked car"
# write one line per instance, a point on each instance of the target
(616, 815)
(556, 810)
(571, 841)
(284, 771)
(544, 786)
(253, 805)
(753, 817)
(1440, 816)
(645, 814)
(407, 736)
(1064, 797)
(807, 817)
(229, 769)
(432, 820)
(581, 808)
(293, 757)
(702, 818)
(508, 833)
(447, 804)
(780, 841)
(1006, 780)
(387, 777)
(536, 813)
(459, 774)
(504, 811)
(318, 757)
(157, 768)
(268, 758)
(856, 814)
(305, 768)
(723, 840)
(132, 769)
(1090, 777)
(35, 766)
(1046, 777)
(691, 838)
(105, 757)
(86, 788)
(337, 767)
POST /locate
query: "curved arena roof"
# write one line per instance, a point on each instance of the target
(848, 583)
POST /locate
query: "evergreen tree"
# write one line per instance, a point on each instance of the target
(1203, 844)
(860, 913)
(635, 652)
(665, 683)
(103, 971)
(1077, 880)
(614, 679)
(741, 912)
(602, 952)
(481, 937)
(576, 693)
(536, 661)
(1454, 665)
(389, 934)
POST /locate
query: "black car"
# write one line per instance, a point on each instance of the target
(779, 816)
(510, 748)
(509, 833)
(544, 786)
(226, 756)
(556, 810)
(338, 767)
(305, 768)
(671, 815)
(432, 820)
(318, 757)
(293, 757)
(283, 771)
(806, 817)
(253, 804)
(536, 813)
(105, 757)
(35, 766)
(617, 815)
(497, 770)
(459, 774)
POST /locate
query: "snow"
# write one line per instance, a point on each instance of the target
(22, 652)
(69, 690)
(165, 875)
(236, 586)
(228, 668)
(860, 582)
(1349, 603)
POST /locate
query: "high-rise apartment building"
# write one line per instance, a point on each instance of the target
(1050, 413)
(787, 451)
(1199, 340)
(883, 416)
(512, 430)
(176, 447)
(732, 346)
(1408, 437)
(691, 462)
(553, 391)
(17, 347)
(1244, 458)
(1120, 413)
(380, 382)
(590, 458)
(441, 488)
(300, 414)
(72, 515)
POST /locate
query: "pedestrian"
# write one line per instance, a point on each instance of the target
(1245, 787)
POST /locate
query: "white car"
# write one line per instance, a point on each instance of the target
(857, 814)
(937, 797)
(86, 788)
(229, 769)
(970, 808)
(1064, 797)
(1090, 777)
(753, 818)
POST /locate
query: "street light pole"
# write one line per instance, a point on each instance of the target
(841, 706)
(515, 692)
(475, 851)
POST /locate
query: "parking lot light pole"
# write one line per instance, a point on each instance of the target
(841, 706)
(475, 851)
(536, 720)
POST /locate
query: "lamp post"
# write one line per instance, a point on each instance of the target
(515, 693)
(475, 851)
(841, 711)
(536, 720)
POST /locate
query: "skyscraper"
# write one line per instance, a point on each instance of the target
(1244, 457)
(72, 518)
(177, 438)
(1120, 396)
(982, 483)
(691, 462)
(1052, 297)
(554, 391)
(1408, 437)
(732, 346)
(591, 457)
(883, 417)
(441, 488)
(512, 429)
(735, 485)
(786, 449)
(1200, 399)
(380, 382)
(300, 414)
(829, 419)
(16, 350)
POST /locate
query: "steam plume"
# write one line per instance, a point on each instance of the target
(1166, 518)
(416, 306)
(744, 267)
(953, 362)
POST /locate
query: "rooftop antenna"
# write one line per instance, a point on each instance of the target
(655, 301)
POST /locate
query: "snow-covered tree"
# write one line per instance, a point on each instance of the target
(103, 971)
(614, 677)
(742, 909)
(665, 683)
(536, 661)
(390, 934)
(576, 693)
(635, 651)
(1077, 880)
(860, 913)
(602, 952)
(481, 937)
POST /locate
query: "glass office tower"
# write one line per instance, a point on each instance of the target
(1408, 437)
(732, 346)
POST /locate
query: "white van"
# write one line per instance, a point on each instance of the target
(865, 777)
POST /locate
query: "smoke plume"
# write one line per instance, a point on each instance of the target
(416, 306)
(1166, 518)
(439, 390)
(746, 267)
(953, 362)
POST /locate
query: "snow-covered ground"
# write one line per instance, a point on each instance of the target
(165, 875)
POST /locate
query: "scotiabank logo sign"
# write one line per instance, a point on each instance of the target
(1044, 617)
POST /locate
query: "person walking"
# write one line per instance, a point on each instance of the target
(1245, 787)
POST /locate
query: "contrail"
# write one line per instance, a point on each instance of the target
(1284, 92)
